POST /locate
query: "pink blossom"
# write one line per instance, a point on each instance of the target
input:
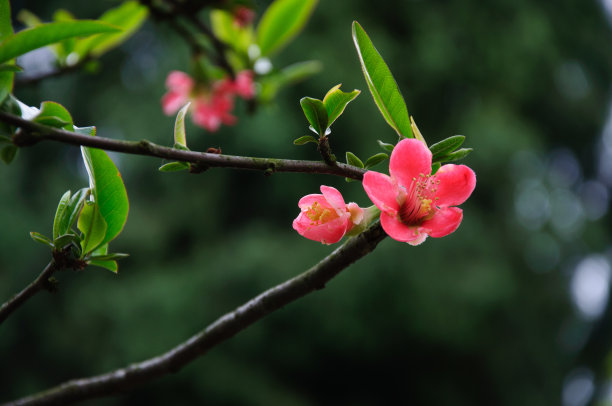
(326, 218)
(243, 16)
(243, 85)
(210, 113)
(413, 203)
(179, 86)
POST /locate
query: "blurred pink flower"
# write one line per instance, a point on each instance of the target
(210, 107)
(413, 203)
(326, 218)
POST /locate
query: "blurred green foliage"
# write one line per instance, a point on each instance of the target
(463, 320)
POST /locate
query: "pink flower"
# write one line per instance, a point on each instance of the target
(243, 16)
(326, 218)
(413, 203)
(179, 86)
(243, 85)
(211, 113)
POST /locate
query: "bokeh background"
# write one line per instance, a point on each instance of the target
(512, 309)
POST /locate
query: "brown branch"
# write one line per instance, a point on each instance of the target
(222, 329)
(40, 283)
(32, 133)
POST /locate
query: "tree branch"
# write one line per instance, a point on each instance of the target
(41, 282)
(31, 133)
(222, 329)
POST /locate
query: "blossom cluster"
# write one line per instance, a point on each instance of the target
(414, 204)
(211, 105)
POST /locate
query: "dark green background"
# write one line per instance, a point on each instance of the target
(481, 317)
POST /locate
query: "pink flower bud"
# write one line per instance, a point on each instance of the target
(325, 217)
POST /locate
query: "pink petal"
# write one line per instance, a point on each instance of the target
(326, 233)
(334, 198)
(179, 81)
(444, 222)
(382, 191)
(356, 212)
(243, 84)
(457, 183)
(410, 158)
(398, 230)
(172, 101)
(308, 200)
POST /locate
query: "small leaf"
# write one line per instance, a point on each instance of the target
(381, 83)
(107, 257)
(445, 146)
(179, 127)
(415, 131)
(352, 159)
(46, 34)
(174, 167)
(108, 190)
(335, 101)
(63, 240)
(385, 146)
(281, 22)
(375, 159)
(8, 153)
(305, 140)
(92, 225)
(85, 130)
(54, 115)
(59, 215)
(72, 210)
(110, 265)
(239, 38)
(38, 237)
(315, 112)
(457, 155)
(434, 167)
(129, 16)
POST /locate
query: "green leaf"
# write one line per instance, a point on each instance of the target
(434, 167)
(92, 225)
(129, 16)
(174, 167)
(381, 83)
(281, 22)
(315, 112)
(10, 67)
(107, 257)
(38, 237)
(46, 34)
(352, 159)
(63, 240)
(375, 159)
(305, 140)
(457, 155)
(6, 30)
(179, 127)
(72, 210)
(54, 115)
(110, 265)
(385, 146)
(8, 153)
(223, 26)
(445, 146)
(59, 215)
(108, 191)
(335, 101)
(85, 130)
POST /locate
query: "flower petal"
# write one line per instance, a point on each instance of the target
(356, 212)
(398, 230)
(444, 222)
(308, 200)
(456, 184)
(410, 158)
(382, 191)
(334, 198)
(172, 101)
(179, 81)
(326, 233)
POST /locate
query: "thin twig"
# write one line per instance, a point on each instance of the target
(31, 133)
(40, 283)
(222, 329)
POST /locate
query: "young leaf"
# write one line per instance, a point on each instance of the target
(179, 127)
(38, 237)
(315, 112)
(59, 214)
(305, 140)
(102, 251)
(63, 240)
(110, 265)
(457, 155)
(375, 159)
(385, 146)
(46, 34)
(381, 83)
(174, 167)
(54, 115)
(85, 130)
(107, 257)
(335, 101)
(129, 16)
(8, 153)
(434, 167)
(222, 24)
(108, 191)
(72, 210)
(281, 22)
(352, 159)
(443, 147)
(92, 225)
